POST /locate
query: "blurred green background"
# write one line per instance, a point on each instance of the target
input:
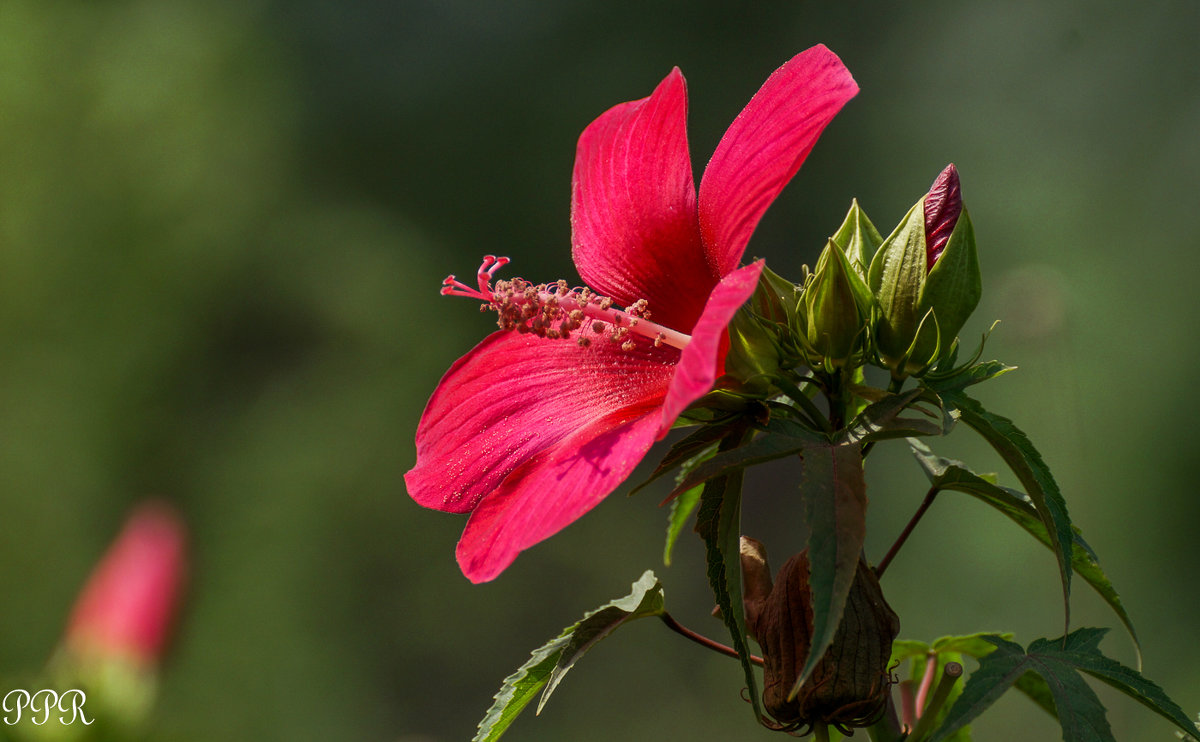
(222, 230)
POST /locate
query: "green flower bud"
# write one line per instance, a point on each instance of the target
(858, 238)
(758, 331)
(835, 312)
(925, 278)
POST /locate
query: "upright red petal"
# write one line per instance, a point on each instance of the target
(703, 359)
(765, 146)
(516, 399)
(128, 604)
(633, 208)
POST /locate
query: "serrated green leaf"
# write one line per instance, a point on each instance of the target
(1080, 712)
(1036, 689)
(704, 439)
(685, 504)
(881, 420)
(949, 474)
(962, 378)
(1057, 686)
(835, 508)
(682, 508)
(719, 524)
(1018, 452)
(782, 438)
(549, 663)
(1082, 651)
(972, 645)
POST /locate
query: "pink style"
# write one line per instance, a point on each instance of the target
(547, 416)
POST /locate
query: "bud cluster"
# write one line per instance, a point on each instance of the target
(898, 302)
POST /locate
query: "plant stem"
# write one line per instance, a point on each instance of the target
(820, 733)
(704, 641)
(950, 675)
(908, 529)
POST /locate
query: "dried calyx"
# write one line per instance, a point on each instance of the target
(850, 685)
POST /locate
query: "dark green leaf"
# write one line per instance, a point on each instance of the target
(949, 474)
(549, 663)
(1049, 673)
(685, 504)
(1079, 710)
(966, 376)
(719, 523)
(1081, 650)
(881, 420)
(782, 438)
(835, 509)
(707, 437)
(1015, 448)
(1032, 685)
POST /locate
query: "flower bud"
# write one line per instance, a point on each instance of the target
(858, 238)
(126, 609)
(926, 280)
(850, 684)
(835, 312)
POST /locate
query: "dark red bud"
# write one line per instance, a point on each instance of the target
(850, 685)
(943, 204)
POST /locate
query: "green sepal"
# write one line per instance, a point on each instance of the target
(858, 238)
(953, 288)
(549, 663)
(835, 314)
(895, 276)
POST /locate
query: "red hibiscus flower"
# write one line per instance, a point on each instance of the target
(543, 419)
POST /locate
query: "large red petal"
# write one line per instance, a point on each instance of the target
(633, 208)
(702, 360)
(764, 148)
(551, 491)
(514, 397)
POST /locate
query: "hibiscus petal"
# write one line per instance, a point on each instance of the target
(764, 147)
(704, 356)
(514, 397)
(550, 492)
(633, 208)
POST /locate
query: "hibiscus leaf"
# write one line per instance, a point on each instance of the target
(549, 663)
(966, 376)
(719, 523)
(949, 474)
(1082, 651)
(767, 447)
(1018, 452)
(707, 437)
(835, 510)
(1049, 673)
(1080, 712)
(685, 504)
(881, 420)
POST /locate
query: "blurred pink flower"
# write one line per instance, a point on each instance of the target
(543, 419)
(128, 605)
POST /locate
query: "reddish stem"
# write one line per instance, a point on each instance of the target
(908, 529)
(704, 641)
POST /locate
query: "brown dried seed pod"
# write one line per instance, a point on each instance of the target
(850, 684)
